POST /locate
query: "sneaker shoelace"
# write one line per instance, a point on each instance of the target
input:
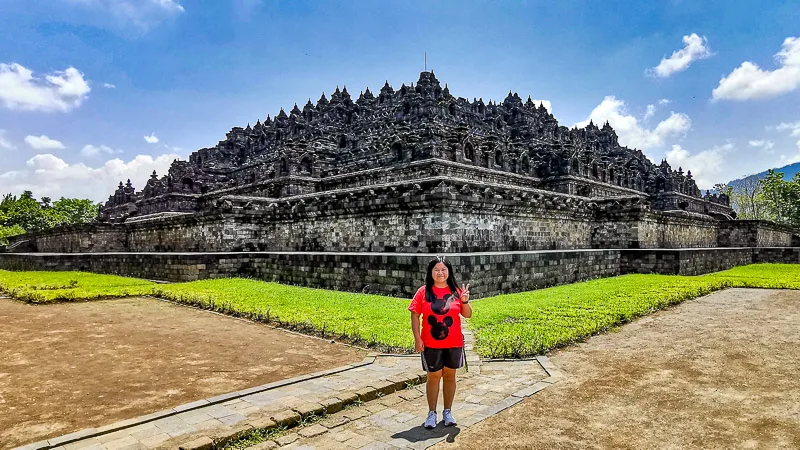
(431, 418)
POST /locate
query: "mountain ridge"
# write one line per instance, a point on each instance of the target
(788, 173)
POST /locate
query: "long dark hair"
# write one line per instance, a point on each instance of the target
(451, 279)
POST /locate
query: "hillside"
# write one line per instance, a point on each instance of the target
(788, 173)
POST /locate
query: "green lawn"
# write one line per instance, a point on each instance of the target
(367, 320)
(513, 325)
(370, 320)
(48, 287)
(530, 323)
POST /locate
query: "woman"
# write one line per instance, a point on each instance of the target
(440, 302)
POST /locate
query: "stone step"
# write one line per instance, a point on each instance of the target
(290, 418)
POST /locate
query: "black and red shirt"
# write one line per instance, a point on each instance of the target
(441, 321)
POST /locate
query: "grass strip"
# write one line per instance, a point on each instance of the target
(531, 323)
(506, 326)
(51, 287)
(367, 320)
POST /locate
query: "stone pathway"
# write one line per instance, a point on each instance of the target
(224, 416)
(395, 420)
(377, 403)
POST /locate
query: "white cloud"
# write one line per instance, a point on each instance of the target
(152, 139)
(91, 151)
(748, 81)
(794, 131)
(169, 5)
(141, 13)
(630, 132)
(792, 158)
(58, 91)
(793, 127)
(4, 142)
(706, 166)
(109, 86)
(651, 111)
(695, 47)
(43, 143)
(762, 144)
(49, 175)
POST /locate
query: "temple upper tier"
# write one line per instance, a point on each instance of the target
(386, 137)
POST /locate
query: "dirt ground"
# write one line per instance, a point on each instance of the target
(70, 366)
(717, 372)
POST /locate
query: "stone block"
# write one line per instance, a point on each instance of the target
(331, 405)
(286, 418)
(334, 421)
(367, 393)
(311, 431)
(224, 436)
(263, 423)
(266, 445)
(287, 439)
(203, 443)
(309, 409)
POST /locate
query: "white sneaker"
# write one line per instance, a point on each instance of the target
(430, 422)
(449, 420)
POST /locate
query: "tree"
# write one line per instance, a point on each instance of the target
(782, 198)
(73, 211)
(747, 198)
(774, 194)
(25, 214)
(24, 211)
(7, 232)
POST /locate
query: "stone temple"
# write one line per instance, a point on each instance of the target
(357, 195)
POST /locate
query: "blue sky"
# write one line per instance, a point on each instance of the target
(713, 86)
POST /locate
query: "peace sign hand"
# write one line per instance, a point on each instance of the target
(465, 293)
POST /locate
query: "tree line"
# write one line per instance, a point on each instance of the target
(19, 215)
(769, 198)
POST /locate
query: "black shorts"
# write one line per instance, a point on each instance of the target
(433, 359)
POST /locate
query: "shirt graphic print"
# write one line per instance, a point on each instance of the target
(441, 324)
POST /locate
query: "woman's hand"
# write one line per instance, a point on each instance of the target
(418, 345)
(465, 293)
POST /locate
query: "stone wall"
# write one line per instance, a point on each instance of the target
(400, 274)
(407, 231)
(587, 187)
(754, 233)
(790, 255)
(675, 201)
(685, 261)
(676, 230)
(87, 238)
(654, 229)
(427, 217)
(394, 274)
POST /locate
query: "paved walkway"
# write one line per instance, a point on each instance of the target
(287, 401)
(395, 421)
(373, 404)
